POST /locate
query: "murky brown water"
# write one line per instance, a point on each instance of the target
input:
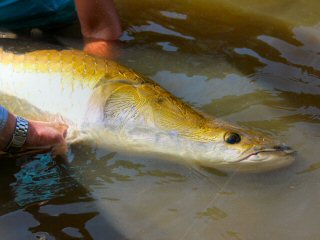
(253, 63)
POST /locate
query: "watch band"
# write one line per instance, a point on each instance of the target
(19, 136)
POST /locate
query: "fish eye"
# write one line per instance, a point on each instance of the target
(232, 138)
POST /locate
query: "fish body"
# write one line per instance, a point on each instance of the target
(118, 107)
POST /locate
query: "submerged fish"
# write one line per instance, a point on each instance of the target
(119, 108)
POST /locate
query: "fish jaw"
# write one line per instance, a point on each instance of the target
(267, 161)
(261, 161)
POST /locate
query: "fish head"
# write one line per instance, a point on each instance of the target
(241, 149)
(147, 119)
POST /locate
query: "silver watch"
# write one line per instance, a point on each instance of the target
(19, 136)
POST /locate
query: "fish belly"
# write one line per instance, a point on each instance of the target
(46, 91)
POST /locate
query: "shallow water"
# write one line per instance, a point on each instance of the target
(256, 64)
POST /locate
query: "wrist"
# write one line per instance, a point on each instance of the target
(33, 135)
(104, 34)
(19, 135)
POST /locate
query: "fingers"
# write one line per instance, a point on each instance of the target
(60, 150)
(100, 48)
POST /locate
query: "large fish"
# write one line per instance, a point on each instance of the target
(119, 108)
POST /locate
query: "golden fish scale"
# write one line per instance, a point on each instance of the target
(71, 64)
(155, 104)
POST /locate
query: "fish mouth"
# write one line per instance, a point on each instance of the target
(281, 150)
(264, 160)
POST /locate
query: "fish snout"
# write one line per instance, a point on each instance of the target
(283, 148)
(277, 148)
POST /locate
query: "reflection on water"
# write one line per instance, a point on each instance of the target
(245, 61)
(41, 178)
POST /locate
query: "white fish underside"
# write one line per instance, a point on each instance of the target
(46, 92)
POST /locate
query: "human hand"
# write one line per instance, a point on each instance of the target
(40, 136)
(47, 135)
(100, 48)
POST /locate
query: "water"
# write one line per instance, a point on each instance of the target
(256, 64)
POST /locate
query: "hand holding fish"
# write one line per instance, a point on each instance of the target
(39, 134)
(100, 24)
(99, 48)
(46, 134)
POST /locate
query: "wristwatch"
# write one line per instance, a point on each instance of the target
(19, 136)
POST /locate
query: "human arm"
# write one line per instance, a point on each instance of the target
(40, 134)
(100, 24)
